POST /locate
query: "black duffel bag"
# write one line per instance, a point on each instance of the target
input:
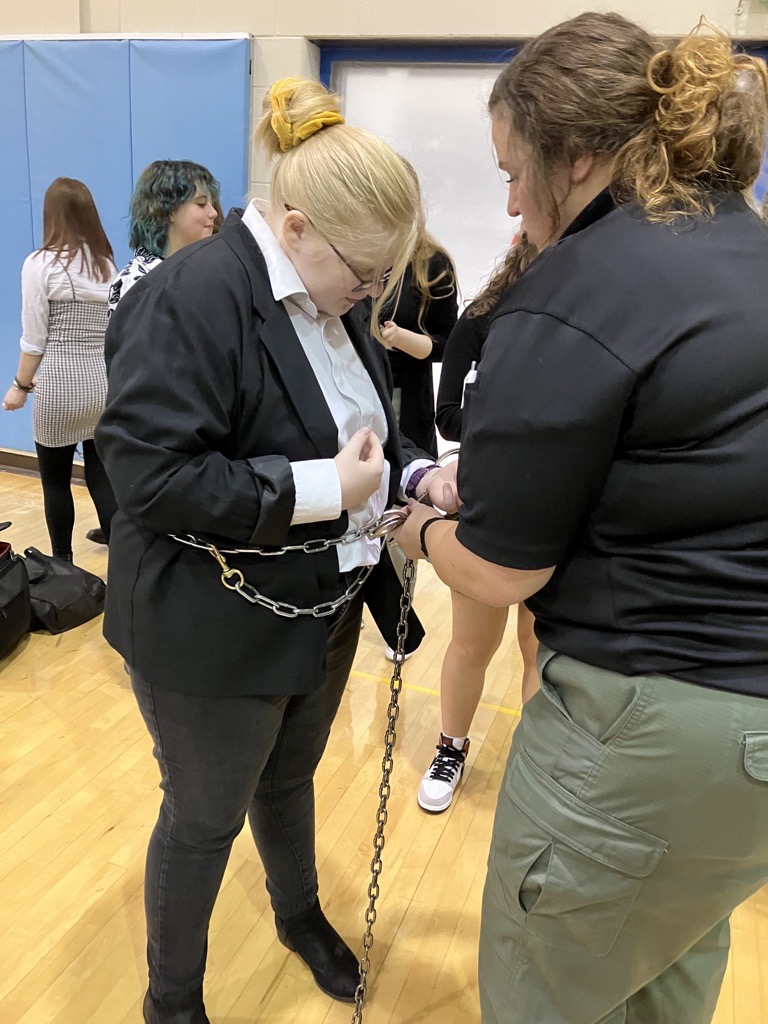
(15, 608)
(62, 594)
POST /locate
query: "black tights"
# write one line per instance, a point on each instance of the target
(56, 477)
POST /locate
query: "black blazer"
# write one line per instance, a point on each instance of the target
(210, 398)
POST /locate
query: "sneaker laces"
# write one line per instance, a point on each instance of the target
(448, 761)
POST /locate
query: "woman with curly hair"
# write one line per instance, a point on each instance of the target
(613, 476)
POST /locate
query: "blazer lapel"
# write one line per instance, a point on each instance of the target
(279, 338)
(301, 386)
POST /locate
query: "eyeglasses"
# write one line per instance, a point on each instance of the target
(364, 286)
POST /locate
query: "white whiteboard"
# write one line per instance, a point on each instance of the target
(436, 116)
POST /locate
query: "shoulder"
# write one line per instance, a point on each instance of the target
(38, 261)
(204, 271)
(203, 283)
(439, 262)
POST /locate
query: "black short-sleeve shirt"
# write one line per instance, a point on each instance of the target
(618, 429)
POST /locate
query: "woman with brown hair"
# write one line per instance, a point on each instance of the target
(64, 287)
(477, 629)
(613, 471)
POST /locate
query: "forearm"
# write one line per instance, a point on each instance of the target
(419, 346)
(463, 571)
(28, 365)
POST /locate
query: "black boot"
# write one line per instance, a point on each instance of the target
(97, 536)
(333, 964)
(187, 1009)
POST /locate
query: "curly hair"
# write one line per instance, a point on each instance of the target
(162, 188)
(515, 263)
(676, 123)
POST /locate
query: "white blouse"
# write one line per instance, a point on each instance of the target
(44, 280)
(350, 393)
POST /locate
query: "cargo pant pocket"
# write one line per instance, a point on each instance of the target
(569, 873)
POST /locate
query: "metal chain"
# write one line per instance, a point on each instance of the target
(233, 579)
(373, 530)
(387, 764)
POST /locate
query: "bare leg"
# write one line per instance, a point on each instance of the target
(529, 647)
(477, 632)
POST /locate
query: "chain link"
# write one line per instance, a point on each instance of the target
(374, 530)
(233, 579)
(387, 764)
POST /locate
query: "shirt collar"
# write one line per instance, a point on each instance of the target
(283, 278)
(592, 212)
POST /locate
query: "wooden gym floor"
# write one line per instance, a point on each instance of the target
(79, 796)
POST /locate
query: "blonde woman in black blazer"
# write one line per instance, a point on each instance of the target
(248, 408)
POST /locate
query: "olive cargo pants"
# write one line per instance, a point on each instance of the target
(632, 819)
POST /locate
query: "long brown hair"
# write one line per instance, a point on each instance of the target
(675, 122)
(71, 225)
(515, 263)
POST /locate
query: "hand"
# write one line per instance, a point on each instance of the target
(14, 399)
(360, 464)
(439, 485)
(408, 535)
(389, 334)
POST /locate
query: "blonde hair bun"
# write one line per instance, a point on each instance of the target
(294, 109)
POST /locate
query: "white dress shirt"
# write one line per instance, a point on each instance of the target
(44, 280)
(351, 396)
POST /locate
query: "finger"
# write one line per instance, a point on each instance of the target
(358, 441)
(374, 453)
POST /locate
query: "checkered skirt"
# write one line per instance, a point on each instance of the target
(71, 384)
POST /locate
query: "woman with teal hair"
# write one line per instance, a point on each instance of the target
(175, 203)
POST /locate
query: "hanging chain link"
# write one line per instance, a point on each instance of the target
(387, 764)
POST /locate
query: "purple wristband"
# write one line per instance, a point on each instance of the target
(416, 478)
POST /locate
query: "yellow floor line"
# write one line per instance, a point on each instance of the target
(435, 693)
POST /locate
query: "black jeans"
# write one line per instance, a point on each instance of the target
(55, 465)
(222, 758)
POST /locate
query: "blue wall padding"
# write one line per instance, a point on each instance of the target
(78, 125)
(15, 428)
(200, 79)
(100, 111)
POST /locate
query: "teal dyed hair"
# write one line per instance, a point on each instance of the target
(163, 187)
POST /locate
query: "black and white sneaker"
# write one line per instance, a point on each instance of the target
(442, 777)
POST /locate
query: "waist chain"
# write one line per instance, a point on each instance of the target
(234, 580)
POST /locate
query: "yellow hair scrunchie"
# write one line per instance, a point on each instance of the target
(289, 136)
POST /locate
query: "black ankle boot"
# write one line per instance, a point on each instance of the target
(333, 964)
(187, 1009)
